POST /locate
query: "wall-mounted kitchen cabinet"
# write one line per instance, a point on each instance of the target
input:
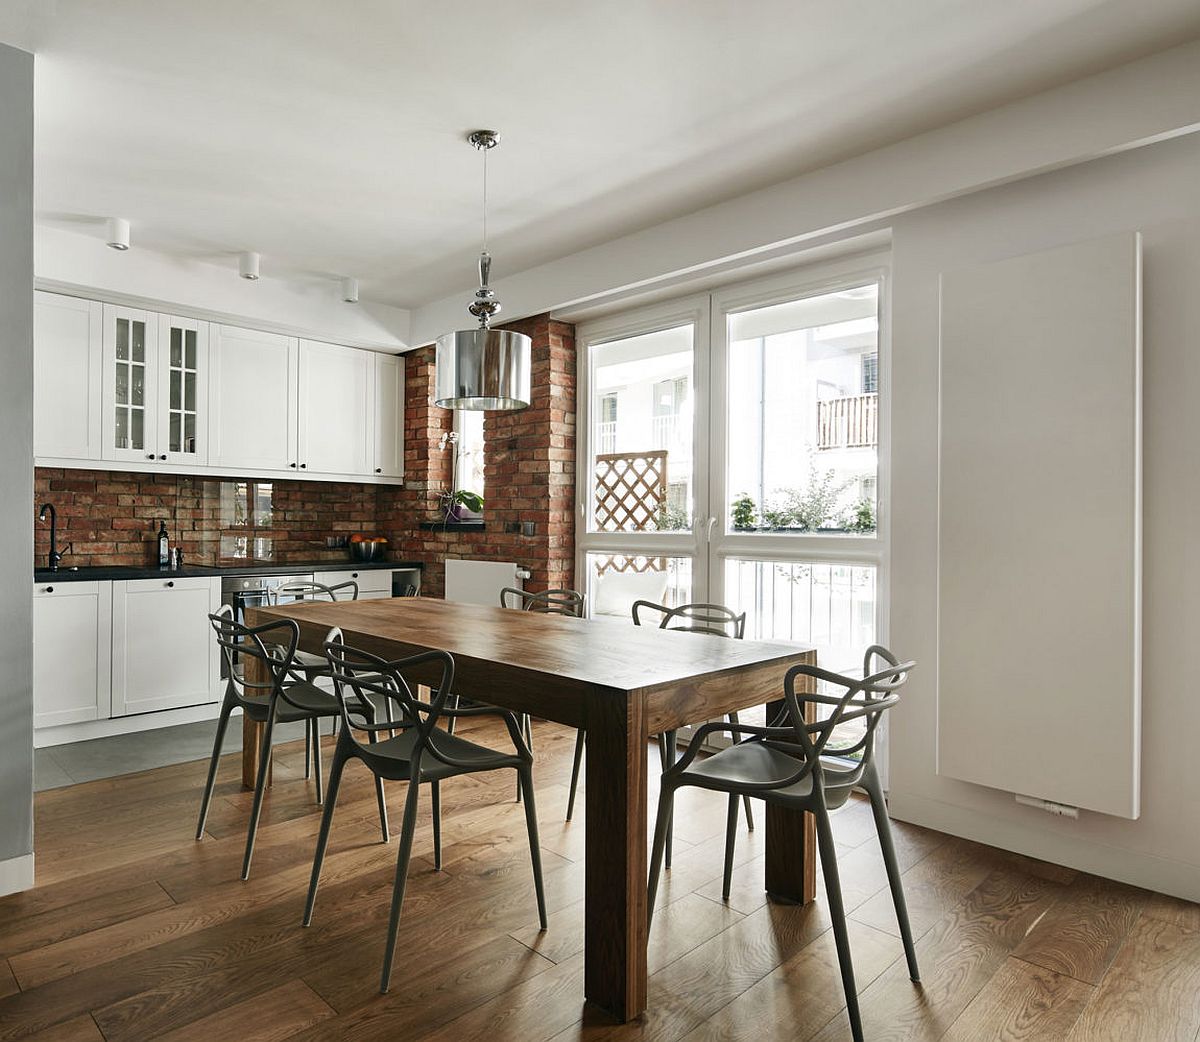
(72, 652)
(123, 388)
(389, 416)
(335, 418)
(68, 335)
(163, 652)
(155, 387)
(253, 399)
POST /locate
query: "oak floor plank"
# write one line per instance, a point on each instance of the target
(273, 1016)
(1172, 910)
(1022, 1003)
(79, 1029)
(8, 982)
(1081, 934)
(957, 957)
(1151, 992)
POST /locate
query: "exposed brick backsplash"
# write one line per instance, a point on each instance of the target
(112, 517)
(529, 466)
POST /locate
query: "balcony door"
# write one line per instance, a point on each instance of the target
(736, 454)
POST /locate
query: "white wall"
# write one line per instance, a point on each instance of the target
(16, 469)
(83, 265)
(1155, 190)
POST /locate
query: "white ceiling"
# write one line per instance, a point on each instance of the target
(328, 136)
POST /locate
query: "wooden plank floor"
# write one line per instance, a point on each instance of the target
(136, 931)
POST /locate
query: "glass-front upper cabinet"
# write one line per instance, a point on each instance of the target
(155, 377)
(183, 387)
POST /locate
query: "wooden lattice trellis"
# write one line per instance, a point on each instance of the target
(631, 490)
(620, 564)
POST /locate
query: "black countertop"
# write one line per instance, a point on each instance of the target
(104, 574)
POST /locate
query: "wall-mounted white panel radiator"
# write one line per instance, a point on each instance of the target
(480, 582)
(1039, 532)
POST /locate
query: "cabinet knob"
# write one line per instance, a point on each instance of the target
(170, 582)
(378, 470)
(354, 575)
(304, 466)
(292, 465)
(163, 456)
(49, 589)
(149, 455)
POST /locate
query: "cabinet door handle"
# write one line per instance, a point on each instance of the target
(354, 575)
(292, 465)
(304, 466)
(163, 456)
(149, 455)
(170, 583)
(378, 470)
(49, 589)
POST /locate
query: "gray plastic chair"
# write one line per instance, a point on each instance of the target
(284, 698)
(309, 665)
(549, 602)
(716, 620)
(422, 753)
(790, 764)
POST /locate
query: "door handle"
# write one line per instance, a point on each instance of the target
(711, 524)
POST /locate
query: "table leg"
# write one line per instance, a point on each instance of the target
(791, 862)
(252, 732)
(615, 869)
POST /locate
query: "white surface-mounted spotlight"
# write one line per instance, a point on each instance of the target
(248, 265)
(350, 290)
(118, 233)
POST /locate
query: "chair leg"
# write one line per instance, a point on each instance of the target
(436, 793)
(730, 840)
(733, 719)
(316, 728)
(218, 744)
(402, 858)
(883, 828)
(308, 729)
(260, 786)
(335, 780)
(668, 758)
(383, 816)
(527, 733)
(579, 741)
(837, 913)
(666, 801)
(535, 850)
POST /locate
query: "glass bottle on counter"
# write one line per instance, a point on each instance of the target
(164, 546)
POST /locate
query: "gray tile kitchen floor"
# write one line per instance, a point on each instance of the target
(59, 765)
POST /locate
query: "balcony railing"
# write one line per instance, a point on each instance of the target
(848, 423)
(606, 436)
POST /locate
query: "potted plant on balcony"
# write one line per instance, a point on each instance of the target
(744, 514)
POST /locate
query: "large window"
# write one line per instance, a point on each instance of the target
(468, 476)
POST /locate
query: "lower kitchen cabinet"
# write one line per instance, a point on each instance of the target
(72, 648)
(374, 584)
(163, 652)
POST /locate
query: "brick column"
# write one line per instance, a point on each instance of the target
(529, 468)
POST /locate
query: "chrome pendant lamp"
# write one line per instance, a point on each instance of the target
(483, 368)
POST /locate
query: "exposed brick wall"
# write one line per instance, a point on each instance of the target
(529, 470)
(112, 517)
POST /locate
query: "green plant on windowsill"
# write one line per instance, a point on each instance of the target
(744, 513)
(457, 505)
(861, 518)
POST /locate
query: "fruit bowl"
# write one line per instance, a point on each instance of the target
(368, 550)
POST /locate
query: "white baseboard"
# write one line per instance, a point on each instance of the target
(82, 732)
(16, 873)
(1165, 875)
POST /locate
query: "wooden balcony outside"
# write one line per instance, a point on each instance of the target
(848, 423)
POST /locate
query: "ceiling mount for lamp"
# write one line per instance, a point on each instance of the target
(483, 368)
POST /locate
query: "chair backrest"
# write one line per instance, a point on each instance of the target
(304, 590)
(864, 698)
(361, 678)
(273, 644)
(548, 602)
(714, 619)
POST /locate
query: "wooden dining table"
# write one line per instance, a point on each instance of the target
(620, 683)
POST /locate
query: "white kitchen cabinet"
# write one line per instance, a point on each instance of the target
(164, 655)
(72, 648)
(182, 390)
(389, 415)
(130, 404)
(252, 399)
(374, 584)
(336, 409)
(68, 357)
